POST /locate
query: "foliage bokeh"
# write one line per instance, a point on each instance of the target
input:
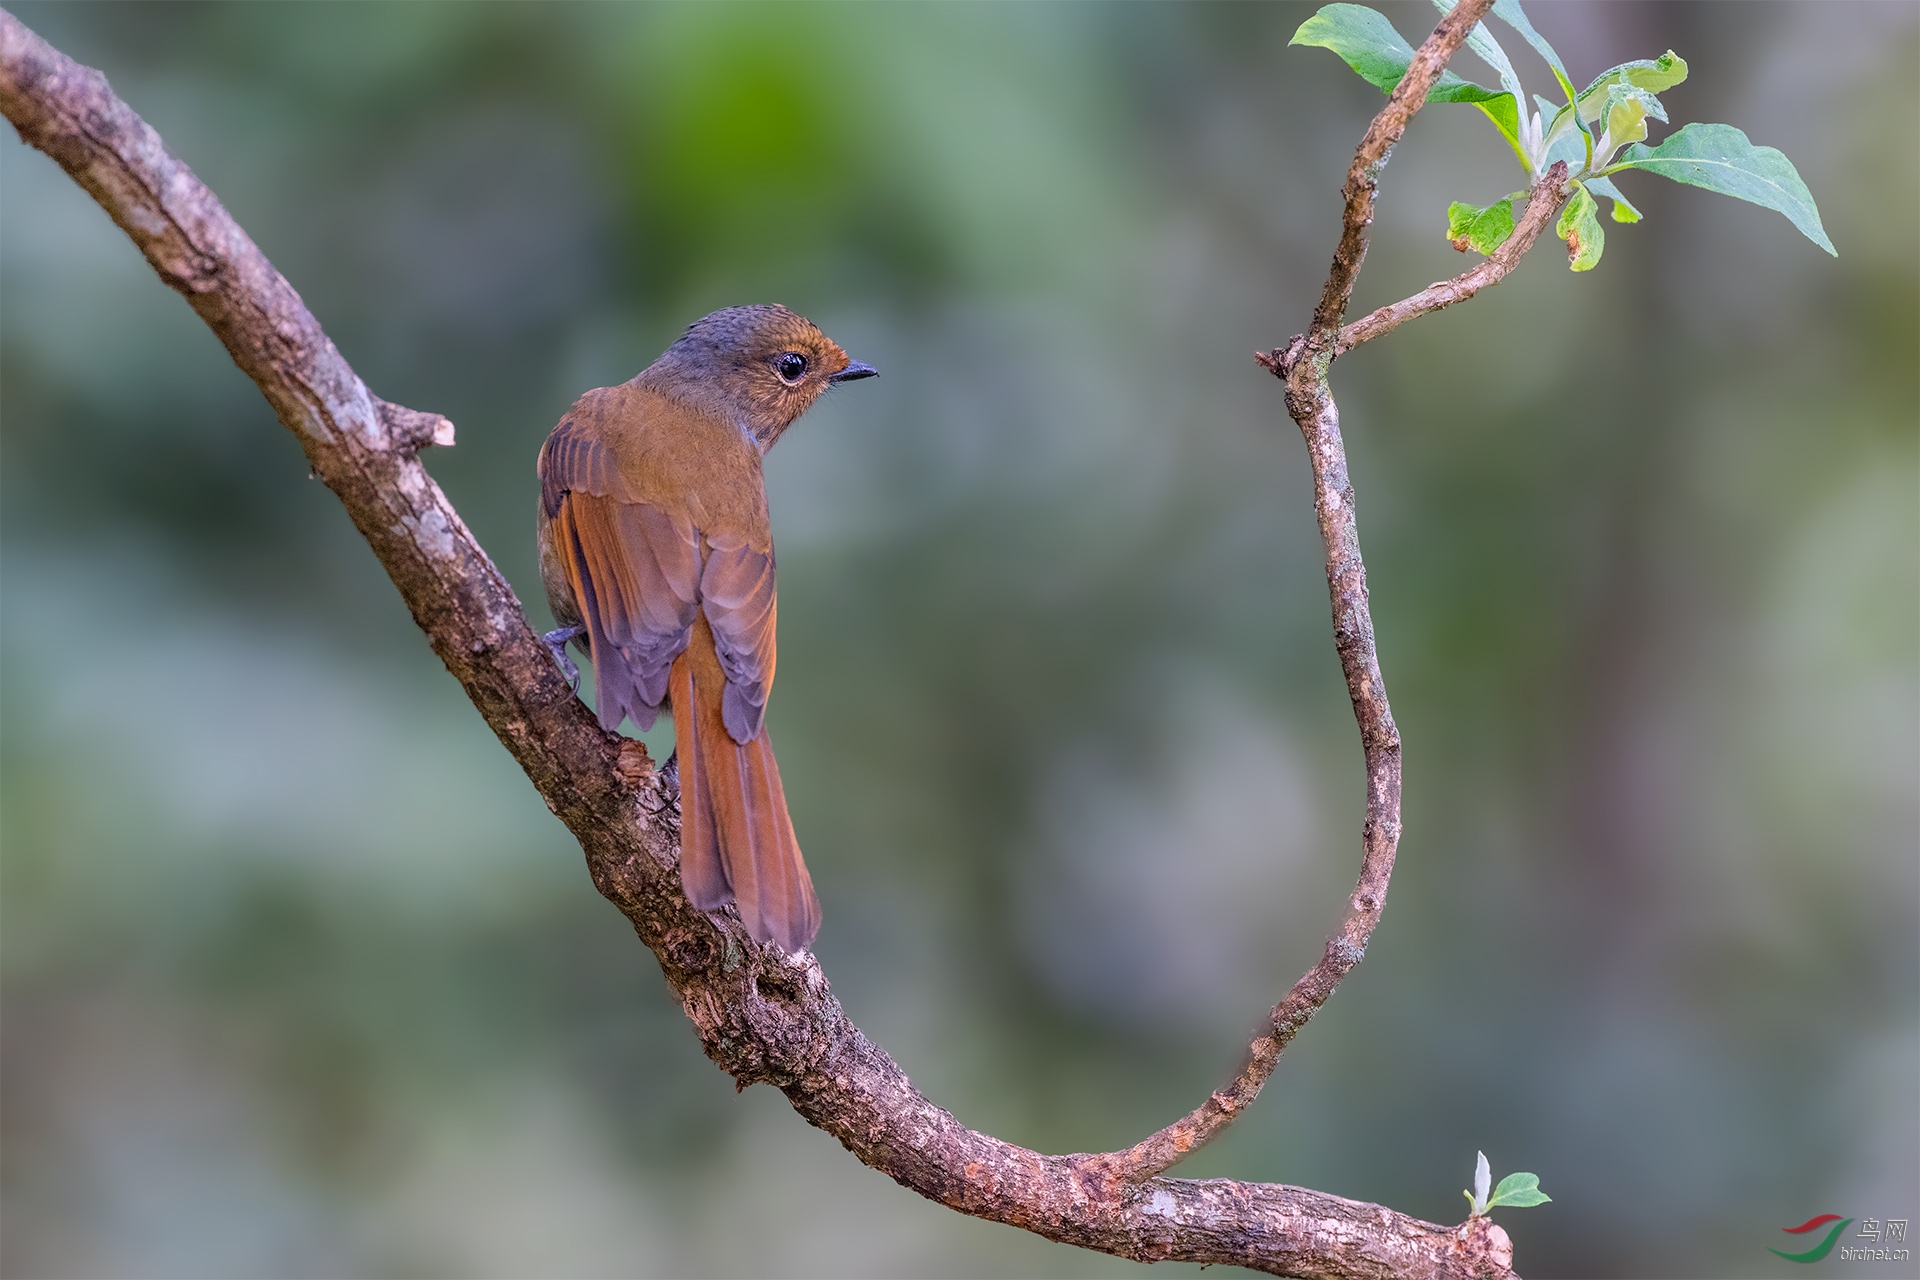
(301, 978)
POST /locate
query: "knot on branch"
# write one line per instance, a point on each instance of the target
(762, 1017)
(687, 951)
(410, 430)
(1483, 1248)
(1281, 360)
(193, 271)
(633, 762)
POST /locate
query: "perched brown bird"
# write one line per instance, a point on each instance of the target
(658, 558)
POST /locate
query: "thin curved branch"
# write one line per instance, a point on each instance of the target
(1353, 637)
(1542, 203)
(761, 1016)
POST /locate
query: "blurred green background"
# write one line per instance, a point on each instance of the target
(301, 978)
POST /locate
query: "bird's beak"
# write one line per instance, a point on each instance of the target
(854, 371)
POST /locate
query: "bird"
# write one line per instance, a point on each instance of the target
(656, 551)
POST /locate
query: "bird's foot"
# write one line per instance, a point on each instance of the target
(556, 641)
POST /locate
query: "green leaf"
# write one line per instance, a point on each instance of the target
(1482, 230)
(1579, 226)
(1367, 42)
(1657, 76)
(1518, 1191)
(1623, 211)
(1481, 41)
(1627, 112)
(1500, 109)
(1508, 112)
(1562, 142)
(1509, 12)
(1719, 158)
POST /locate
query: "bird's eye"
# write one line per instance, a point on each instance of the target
(792, 367)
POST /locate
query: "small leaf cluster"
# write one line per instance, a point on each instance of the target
(1516, 1190)
(1599, 131)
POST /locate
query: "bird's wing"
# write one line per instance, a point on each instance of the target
(634, 570)
(737, 594)
(573, 460)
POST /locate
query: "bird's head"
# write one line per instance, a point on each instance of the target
(762, 365)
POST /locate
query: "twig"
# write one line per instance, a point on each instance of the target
(1353, 637)
(1542, 203)
(760, 1015)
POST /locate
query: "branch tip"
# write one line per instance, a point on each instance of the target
(412, 430)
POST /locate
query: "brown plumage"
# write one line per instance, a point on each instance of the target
(657, 556)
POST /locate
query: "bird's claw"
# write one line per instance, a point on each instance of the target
(556, 642)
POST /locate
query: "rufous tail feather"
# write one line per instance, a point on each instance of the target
(736, 839)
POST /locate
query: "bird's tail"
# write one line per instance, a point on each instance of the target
(736, 840)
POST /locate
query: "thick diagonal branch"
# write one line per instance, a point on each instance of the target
(761, 1016)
